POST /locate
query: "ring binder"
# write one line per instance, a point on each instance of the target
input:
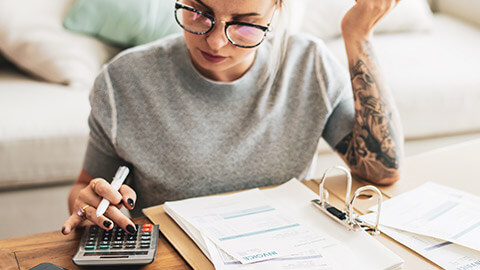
(347, 216)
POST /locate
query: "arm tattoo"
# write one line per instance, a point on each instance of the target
(371, 148)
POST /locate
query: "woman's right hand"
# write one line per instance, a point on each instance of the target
(88, 199)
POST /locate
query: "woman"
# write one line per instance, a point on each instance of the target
(218, 109)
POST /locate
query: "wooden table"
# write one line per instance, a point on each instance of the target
(25, 252)
(453, 166)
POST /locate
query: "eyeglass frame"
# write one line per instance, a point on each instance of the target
(212, 19)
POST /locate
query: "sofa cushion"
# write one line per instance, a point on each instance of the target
(322, 18)
(467, 10)
(44, 134)
(123, 22)
(33, 38)
(434, 76)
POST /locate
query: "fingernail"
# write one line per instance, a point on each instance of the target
(63, 229)
(107, 223)
(131, 229)
(130, 201)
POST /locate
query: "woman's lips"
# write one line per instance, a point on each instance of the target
(213, 58)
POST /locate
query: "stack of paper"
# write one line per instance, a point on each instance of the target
(439, 222)
(276, 228)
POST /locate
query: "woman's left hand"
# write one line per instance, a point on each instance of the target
(360, 20)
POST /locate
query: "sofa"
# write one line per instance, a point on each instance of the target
(432, 72)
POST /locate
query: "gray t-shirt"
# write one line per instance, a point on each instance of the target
(184, 135)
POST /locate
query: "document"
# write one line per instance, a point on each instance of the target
(445, 254)
(249, 227)
(436, 211)
(307, 260)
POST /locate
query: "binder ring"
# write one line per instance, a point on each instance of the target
(347, 217)
(324, 193)
(353, 217)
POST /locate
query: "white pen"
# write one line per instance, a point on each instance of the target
(118, 180)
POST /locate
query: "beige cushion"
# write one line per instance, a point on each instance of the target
(322, 18)
(32, 37)
(467, 10)
(43, 134)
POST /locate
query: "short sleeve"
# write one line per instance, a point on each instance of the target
(336, 89)
(101, 159)
(340, 122)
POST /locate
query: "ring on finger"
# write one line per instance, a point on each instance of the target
(81, 212)
(94, 182)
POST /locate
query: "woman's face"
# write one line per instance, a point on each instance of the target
(213, 54)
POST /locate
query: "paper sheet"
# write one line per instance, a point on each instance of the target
(307, 260)
(248, 226)
(445, 254)
(436, 211)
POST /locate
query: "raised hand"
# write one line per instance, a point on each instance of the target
(360, 20)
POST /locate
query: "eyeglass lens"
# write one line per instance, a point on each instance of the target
(243, 35)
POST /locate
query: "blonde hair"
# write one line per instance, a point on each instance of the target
(278, 40)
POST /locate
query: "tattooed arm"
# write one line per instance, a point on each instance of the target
(374, 149)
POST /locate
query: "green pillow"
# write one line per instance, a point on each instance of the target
(123, 22)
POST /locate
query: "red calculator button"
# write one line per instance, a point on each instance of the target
(147, 225)
(146, 229)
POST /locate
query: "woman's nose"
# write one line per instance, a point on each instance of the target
(217, 39)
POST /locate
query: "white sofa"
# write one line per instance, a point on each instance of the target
(434, 76)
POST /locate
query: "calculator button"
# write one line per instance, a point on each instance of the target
(131, 242)
(147, 225)
(145, 246)
(145, 237)
(146, 229)
(88, 247)
(104, 246)
(130, 246)
(146, 233)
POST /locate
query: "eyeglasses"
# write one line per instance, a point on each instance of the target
(241, 34)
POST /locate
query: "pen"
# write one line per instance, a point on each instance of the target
(118, 180)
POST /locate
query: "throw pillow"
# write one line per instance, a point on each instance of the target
(322, 18)
(123, 22)
(33, 38)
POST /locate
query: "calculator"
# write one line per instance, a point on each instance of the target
(101, 247)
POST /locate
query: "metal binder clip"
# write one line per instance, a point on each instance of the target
(347, 216)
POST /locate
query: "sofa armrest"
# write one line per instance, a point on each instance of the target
(467, 10)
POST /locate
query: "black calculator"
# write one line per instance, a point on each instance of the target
(116, 246)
